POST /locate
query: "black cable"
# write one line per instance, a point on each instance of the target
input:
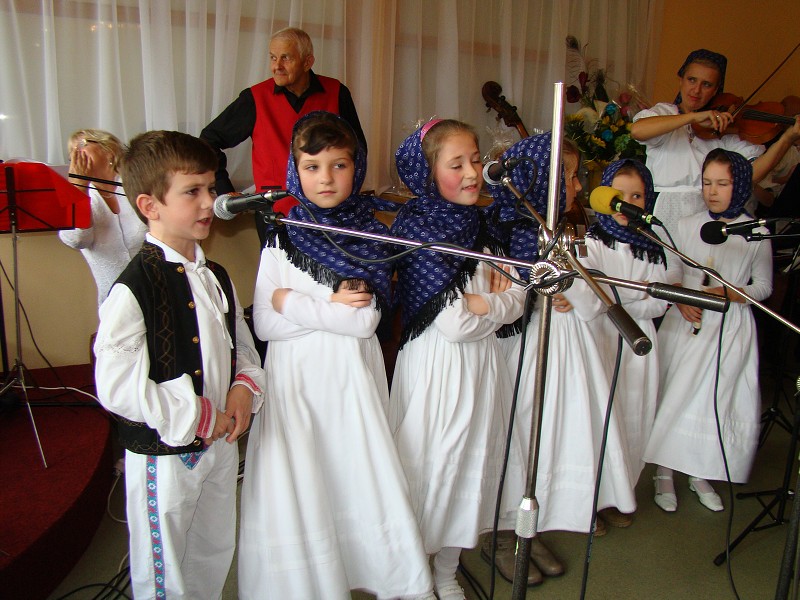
(601, 460)
(33, 338)
(507, 452)
(729, 526)
(403, 253)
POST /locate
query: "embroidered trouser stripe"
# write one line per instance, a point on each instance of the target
(155, 527)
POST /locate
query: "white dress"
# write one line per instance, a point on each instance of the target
(676, 159)
(637, 383)
(684, 434)
(324, 504)
(575, 401)
(110, 243)
(449, 409)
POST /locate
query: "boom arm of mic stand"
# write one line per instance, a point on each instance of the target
(626, 326)
(654, 238)
(672, 293)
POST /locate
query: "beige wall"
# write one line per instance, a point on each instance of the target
(58, 291)
(59, 295)
(755, 36)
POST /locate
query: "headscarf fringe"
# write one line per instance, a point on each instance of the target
(428, 313)
(317, 271)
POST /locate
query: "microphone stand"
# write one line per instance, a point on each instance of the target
(638, 228)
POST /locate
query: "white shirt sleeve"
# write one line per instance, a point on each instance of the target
(760, 286)
(122, 375)
(248, 369)
(303, 312)
(457, 324)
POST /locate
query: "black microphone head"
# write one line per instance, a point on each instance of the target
(712, 232)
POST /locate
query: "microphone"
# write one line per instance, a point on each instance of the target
(608, 201)
(494, 170)
(228, 206)
(716, 232)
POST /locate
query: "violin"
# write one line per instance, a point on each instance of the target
(756, 123)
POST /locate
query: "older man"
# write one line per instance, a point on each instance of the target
(267, 111)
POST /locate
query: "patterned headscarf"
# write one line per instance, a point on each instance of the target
(609, 231)
(520, 235)
(742, 173)
(718, 59)
(430, 281)
(312, 253)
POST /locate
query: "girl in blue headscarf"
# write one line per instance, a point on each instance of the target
(620, 252)
(684, 436)
(577, 379)
(675, 154)
(325, 506)
(451, 388)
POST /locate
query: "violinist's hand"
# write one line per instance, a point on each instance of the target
(794, 131)
(714, 119)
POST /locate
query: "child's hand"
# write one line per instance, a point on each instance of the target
(239, 407)
(691, 313)
(278, 298)
(222, 427)
(499, 283)
(352, 292)
(476, 304)
(561, 304)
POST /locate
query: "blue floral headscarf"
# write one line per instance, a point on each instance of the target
(742, 173)
(430, 281)
(607, 230)
(519, 235)
(311, 252)
(702, 54)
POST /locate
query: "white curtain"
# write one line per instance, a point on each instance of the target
(127, 66)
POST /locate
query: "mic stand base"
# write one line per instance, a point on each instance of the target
(780, 496)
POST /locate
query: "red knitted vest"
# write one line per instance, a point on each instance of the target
(272, 134)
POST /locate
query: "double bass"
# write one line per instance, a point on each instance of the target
(495, 100)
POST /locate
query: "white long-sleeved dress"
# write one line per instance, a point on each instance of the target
(449, 410)
(684, 435)
(676, 161)
(325, 505)
(110, 243)
(577, 384)
(637, 384)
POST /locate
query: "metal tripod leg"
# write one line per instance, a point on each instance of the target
(780, 496)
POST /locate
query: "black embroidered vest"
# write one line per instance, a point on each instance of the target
(173, 339)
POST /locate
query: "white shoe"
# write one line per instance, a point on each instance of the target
(710, 500)
(450, 591)
(666, 501)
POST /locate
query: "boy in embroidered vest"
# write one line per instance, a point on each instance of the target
(177, 366)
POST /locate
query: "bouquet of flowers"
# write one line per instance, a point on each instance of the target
(608, 138)
(601, 127)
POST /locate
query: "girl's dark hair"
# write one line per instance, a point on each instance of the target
(322, 131)
(717, 155)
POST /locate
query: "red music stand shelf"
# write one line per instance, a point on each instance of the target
(33, 197)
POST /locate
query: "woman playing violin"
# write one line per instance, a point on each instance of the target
(675, 153)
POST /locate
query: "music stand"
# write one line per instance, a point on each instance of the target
(33, 197)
